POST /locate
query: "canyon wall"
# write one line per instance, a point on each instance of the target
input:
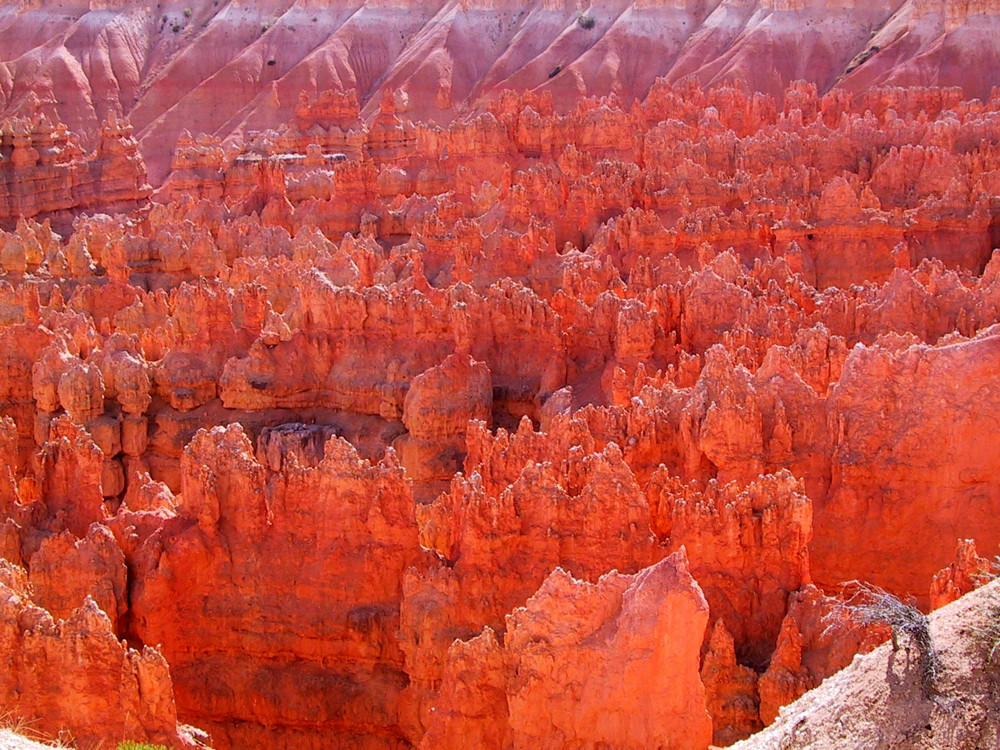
(228, 68)
(543, 428)
(71, 678)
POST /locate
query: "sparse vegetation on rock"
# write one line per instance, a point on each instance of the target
(989, 634)
(866, 604)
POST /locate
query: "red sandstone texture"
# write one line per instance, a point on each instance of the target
(449, 416)
(227, 69)
(72, 673)
(45, 174)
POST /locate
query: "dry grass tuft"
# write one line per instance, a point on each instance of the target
(988, 635)
(868, 605)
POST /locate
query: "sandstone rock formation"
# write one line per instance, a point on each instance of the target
(211, 69)
(387, 418)
(275, 594)
(967, 573)
(575, 660)
(71, 677)
(45, 174)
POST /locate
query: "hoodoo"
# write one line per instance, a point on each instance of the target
(499, 375)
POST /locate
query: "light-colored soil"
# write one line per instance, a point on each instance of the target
(878, 702)
(10, 740)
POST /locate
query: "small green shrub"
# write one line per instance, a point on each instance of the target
(175, 28)
(130, 745)
(187, 12)
(586, 21)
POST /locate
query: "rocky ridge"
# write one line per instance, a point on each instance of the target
(229, 68)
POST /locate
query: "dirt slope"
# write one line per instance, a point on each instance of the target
(877, 702)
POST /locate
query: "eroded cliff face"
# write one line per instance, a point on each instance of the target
(74, 679)
(560, 680)
(46, 175)
(538, 429)
(275, 594)
(228, 69)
